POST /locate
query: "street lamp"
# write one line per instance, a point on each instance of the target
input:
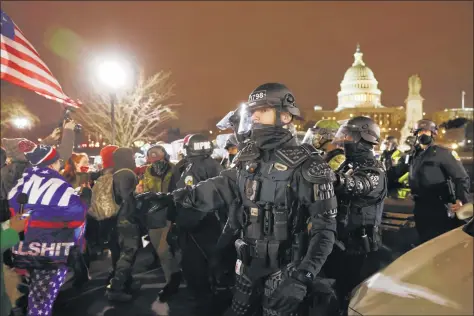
(21, 122)
(113, 74)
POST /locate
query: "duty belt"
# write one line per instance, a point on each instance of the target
(263, 253)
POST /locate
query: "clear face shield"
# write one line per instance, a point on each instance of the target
(318, 136)
(245, 124)
(347, 134)
(221, 140)
(226, 123)
(309, 136)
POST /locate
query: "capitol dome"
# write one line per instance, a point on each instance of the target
(359, 86)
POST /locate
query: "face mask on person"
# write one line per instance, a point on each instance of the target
(425, 139)
(159, 167)
(84, 169)
(356, 151)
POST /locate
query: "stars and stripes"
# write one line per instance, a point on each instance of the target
(43, 293)
(22, 65)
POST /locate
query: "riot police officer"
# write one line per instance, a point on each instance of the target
(437, 178)
(361, 188)
(390, 155)
(397, 176)
(279, 187)
(321, 137)
(198, 232)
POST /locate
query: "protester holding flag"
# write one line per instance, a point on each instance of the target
(56, 222)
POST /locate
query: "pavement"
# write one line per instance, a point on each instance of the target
(90, 300)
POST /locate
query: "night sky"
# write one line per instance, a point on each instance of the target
(220, 51)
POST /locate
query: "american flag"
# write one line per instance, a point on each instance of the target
(22, 65)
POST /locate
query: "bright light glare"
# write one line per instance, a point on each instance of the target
(113, 74)
(21, 122)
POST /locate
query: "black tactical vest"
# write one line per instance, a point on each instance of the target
(265, 190)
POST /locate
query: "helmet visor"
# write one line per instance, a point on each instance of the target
(347, 134)
(245, 124)
(221, 140)
(226, 122)
(309, 136)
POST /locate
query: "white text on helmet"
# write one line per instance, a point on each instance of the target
(202, 145)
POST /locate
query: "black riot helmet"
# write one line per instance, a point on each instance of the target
(270, 95)
(425, 125)
(390, 143)
(197, 145)
(357, 129)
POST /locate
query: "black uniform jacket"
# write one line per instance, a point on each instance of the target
(430, 170)
(311, 173)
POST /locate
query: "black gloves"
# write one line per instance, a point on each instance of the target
(291, 292)
(156, 208)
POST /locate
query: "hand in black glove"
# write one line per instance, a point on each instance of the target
(290, 293)
(156, 207)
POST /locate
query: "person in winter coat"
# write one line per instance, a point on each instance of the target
(198, 232)
(18, 162)
(9, 237)
(128, 229)
(158, 177)
(56, 223)
(101, 233)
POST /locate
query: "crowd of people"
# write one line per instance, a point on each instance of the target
(276, 228)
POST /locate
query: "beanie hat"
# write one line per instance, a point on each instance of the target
(106, 154)
(41, 156)
(13, 151)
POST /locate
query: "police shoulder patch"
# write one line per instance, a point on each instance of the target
(189, 180)
(455, 155)
(316, 170)
(294, 156)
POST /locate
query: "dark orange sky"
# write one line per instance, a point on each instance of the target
(219, 51)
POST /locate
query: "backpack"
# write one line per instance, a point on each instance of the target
(103, 203)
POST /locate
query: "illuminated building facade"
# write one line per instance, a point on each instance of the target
(360, 96)
(451, 114)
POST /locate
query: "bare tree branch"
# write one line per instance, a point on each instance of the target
(138, 113)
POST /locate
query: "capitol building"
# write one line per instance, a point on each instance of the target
(360, 96)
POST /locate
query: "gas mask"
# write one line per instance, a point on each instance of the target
(159, 167)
